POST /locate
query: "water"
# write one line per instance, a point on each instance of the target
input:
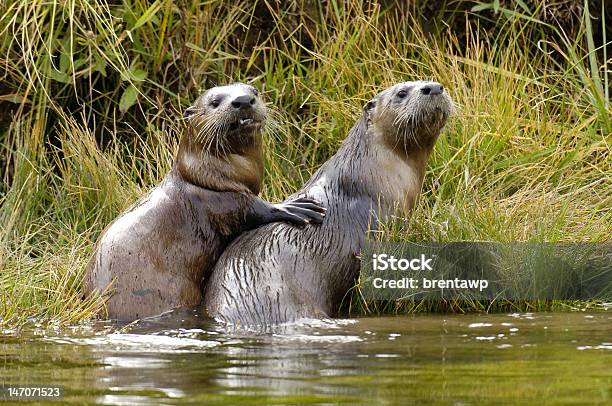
(539, 359)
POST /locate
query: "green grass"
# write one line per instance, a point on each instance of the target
(95, 94)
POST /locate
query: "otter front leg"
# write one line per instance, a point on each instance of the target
(300, 211)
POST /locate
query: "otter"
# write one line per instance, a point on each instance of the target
(277, 273)
(156, 255)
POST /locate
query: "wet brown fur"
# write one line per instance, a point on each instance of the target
(153, 257)
(277, 273)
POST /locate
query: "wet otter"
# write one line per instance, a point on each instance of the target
(157, 252)
(277, 273)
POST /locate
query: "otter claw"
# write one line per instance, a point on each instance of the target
(297, 219)
(306, 200)
(303, 211)
(308, 203)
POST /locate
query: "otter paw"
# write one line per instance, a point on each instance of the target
(307, 203)
(303, 211)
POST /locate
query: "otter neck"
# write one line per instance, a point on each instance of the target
(390, 172)
(237, 170)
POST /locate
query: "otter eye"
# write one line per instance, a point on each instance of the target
(255, 92)
(215, 103)
(402, 93)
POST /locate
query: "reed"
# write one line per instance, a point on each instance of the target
(92, 93)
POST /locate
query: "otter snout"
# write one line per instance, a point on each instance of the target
(410, 113)
(243, 102)
(432, 89)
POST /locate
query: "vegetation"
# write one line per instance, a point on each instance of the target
(91, 95)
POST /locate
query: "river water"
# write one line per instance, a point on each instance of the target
(499, 359)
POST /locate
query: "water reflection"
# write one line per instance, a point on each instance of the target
(183, 357)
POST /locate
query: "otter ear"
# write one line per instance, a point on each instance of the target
(189, 111)
(370, 105)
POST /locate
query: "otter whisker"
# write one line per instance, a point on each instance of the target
(273, 126)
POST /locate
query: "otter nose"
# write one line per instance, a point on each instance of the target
(432, 88)
(243, 102)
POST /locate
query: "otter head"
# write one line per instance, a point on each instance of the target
(409, 115)
(226, 118)
(221, 148)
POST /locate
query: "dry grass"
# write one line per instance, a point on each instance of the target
(97, 92)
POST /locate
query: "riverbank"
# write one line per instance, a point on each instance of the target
(92, 97)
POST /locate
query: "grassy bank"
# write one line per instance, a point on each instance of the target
(92, 94)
